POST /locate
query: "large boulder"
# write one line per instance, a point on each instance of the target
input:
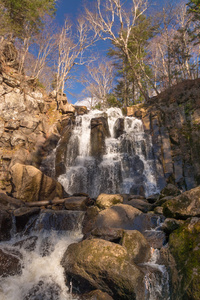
(183, 206)
(184, 246)
(99, 131)
(137, 246)
(98, 264)
(30, 184)
(105, 200)
(117, 216)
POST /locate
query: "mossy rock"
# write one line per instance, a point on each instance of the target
(183, 206)
(184, 244)
(98, 264)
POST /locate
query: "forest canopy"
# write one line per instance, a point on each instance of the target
(149, 49)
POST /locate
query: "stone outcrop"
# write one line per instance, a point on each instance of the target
(99, 131)
(173, 121)
(30, 184)
(98, 264)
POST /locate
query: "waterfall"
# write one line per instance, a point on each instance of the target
(40, 253)
(126, 165)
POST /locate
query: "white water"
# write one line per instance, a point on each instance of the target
(126, 166)
(156, 278)
(39, 268)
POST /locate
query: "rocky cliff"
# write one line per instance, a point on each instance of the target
(173, 121)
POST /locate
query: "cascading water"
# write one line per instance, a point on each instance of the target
(40, 253)
(126, 166)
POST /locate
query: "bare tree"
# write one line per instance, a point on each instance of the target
(71, 48)
(99, 81)
(44, 45)
(112, 21)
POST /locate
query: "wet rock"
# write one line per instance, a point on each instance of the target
(28, 244)
(10, 263)
(5, 225)
(98, 264)
(44, 290)
(62, 148)
(23, 214)
(155, 238)
(46, 247)
(96, 295)
(184, 246)
(76, 203)
(106, 200)
(99, 131)
(149, 226)
(137, 247)
(119, 127)
(58, 220)
(183, 206)
(30, 184)
(117, 216)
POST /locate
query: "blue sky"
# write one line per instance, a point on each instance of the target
(74, 8)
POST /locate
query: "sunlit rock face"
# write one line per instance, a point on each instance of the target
(108, 153)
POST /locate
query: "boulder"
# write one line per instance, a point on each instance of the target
(117, 216)
(99, 264)
(30, 184)
(184, 246)
(138, 249)
(105, 200)
(183, 206)
(10, 263)
(108, 234)
(5, 225)
(99, 131)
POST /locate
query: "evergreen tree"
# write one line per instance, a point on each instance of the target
(20, 15)
(127, 90)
